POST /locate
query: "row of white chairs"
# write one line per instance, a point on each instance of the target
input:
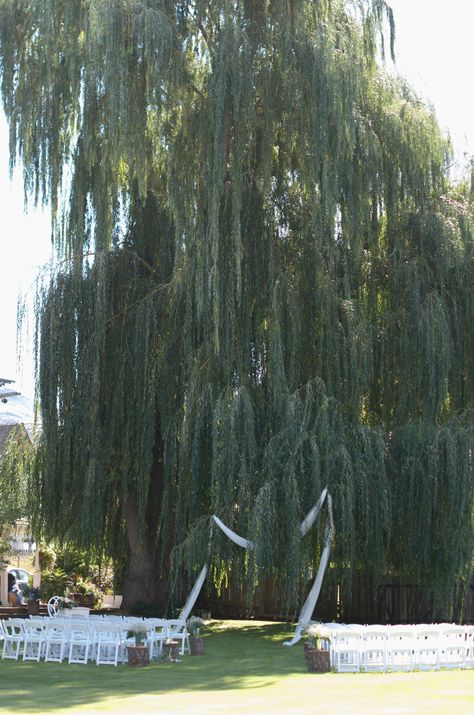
(101, 639)
(355, 648)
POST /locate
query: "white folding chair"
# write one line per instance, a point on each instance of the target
(346, 650)
(157, 633)
(130, 621)
(332, 627)
(426, 650)
(13, 637)
(80, 642)
(401, 648)
(112, 619)
(469, 646)
(108, 642)
(34, 643)
(178, 632)
(76, 613)
(373, 649)
(57, 640)
(452, 646)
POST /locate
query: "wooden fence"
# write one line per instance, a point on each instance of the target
(389, 602)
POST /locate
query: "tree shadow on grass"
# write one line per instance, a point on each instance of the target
(249, 656)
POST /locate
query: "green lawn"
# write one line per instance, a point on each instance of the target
(245, 669)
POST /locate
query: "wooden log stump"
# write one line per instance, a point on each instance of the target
(197, 645)
(317, 661)
(171, 651)
(138, 655)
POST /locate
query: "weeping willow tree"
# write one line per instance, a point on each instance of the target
(264, 286)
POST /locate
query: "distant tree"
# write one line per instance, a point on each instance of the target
(265, 286)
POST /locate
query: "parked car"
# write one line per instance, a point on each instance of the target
(22, 576)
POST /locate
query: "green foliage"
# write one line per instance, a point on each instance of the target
(55, 583)
(145, 610)
(66, 568)
(264, 286)
(47, 557)
(16, 464)
(84, 587)
(33, 593)
(16, 459)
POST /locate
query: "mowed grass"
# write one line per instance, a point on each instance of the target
(245, 669)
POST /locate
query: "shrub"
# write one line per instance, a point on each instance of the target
(55, 583)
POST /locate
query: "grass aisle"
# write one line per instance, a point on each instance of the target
(245, 669)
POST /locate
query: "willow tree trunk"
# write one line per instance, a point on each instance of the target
(148, 565)
(142, 582)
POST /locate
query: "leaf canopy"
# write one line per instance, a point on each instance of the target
(265, 286)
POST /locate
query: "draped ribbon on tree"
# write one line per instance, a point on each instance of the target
(310, 603)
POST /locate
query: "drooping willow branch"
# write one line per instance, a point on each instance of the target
(278, 291)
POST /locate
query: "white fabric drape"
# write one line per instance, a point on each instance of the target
(188, 606)
(239, 540)
(310, 603)
(196, 589)
(310, 517)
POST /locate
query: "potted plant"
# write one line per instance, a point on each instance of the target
(196, 643)
(316, 648)
(33, 596)
(67, 603)
(138, 654)
(137, 631)
(85, 593)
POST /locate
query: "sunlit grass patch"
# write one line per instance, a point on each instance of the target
(245, 669)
